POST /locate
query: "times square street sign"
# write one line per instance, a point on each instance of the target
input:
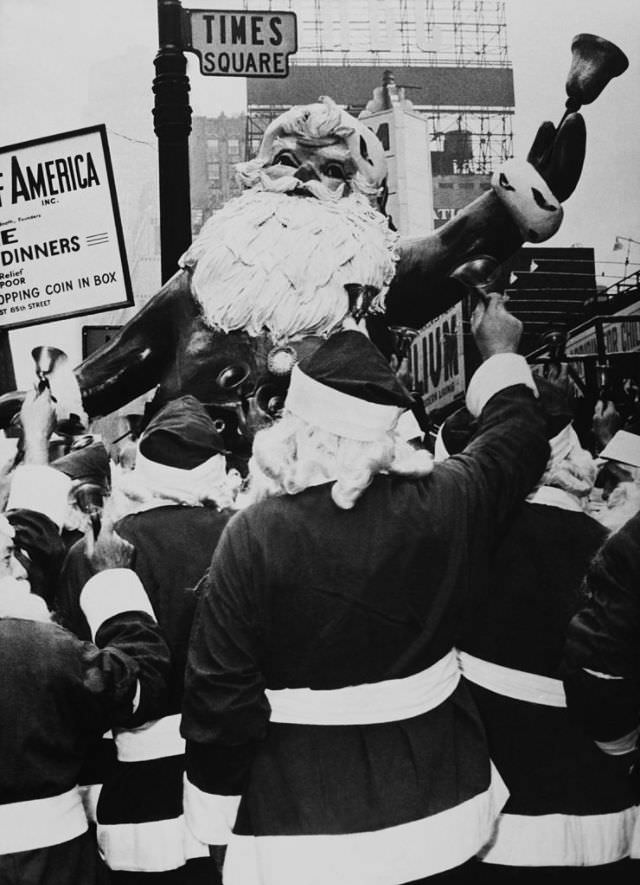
(233, 43)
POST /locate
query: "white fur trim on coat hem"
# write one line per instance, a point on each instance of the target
(395, 854)
(39, 823)
(210, 817)
(562, 840)
(150, 847)
(110, 593)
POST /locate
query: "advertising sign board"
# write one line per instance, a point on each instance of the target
(437, 360)
(61, 244)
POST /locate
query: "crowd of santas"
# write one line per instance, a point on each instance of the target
(364, 663)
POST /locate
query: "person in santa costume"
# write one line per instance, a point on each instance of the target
(58, 693)
(571, 811)
(176, 501)
(602, 666)
(329, 738)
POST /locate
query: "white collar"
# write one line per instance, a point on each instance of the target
(553, 497)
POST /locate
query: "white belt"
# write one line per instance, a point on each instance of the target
(155, 740)
(516, 684)
(374, 702)
(38, 823)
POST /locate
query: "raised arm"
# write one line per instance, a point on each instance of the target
(509, 451)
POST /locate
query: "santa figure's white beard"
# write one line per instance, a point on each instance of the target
(270, 260)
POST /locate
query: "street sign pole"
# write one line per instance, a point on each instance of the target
(7, 374)
(172, 125)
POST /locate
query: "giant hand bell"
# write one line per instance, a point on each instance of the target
(594, 62)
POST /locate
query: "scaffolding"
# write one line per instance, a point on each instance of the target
(421, 35)
(456, 33)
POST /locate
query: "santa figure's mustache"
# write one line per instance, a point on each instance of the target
(277, 180)
(271, 260)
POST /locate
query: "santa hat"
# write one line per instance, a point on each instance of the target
(624, 447)
(557, 405)
(459, 428)
(180, 449)
(181, 435)
(88, 464)
(346, 387)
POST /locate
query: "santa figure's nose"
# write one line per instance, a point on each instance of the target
(306, 173)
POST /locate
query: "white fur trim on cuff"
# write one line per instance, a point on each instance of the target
(528, 199)
(210, 817)
(40, 488)
(500, 371)
(112, 592)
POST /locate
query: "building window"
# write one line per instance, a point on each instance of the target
(213, 171)
(445, 185)
(234, 148)
(213, 149)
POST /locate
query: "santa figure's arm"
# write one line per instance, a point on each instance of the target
(134, 360)
(522, 205)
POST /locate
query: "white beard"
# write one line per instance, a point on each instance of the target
(273, 261)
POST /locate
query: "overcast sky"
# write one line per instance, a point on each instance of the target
(73, 63)
(52, 54)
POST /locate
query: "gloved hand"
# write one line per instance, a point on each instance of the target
(558, 154)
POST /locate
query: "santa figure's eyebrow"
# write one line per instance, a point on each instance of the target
(338, 152)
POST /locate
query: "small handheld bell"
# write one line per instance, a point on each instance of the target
(479, 275)
(46, 360)
(402, 337)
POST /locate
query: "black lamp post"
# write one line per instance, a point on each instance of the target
(618, 245)
(172, 125)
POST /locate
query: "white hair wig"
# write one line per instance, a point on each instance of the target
(16, 601)
(133, 493)
(570, 467)
(623, 503)
(292, 455)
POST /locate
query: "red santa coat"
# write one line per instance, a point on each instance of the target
(328, 736)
